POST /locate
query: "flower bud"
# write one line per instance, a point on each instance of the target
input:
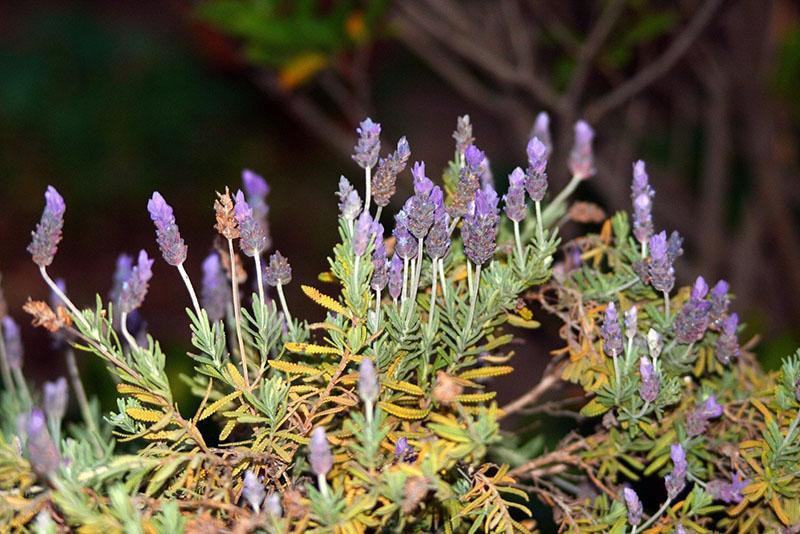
(47, 235)
(279, 271)
(320, 456)
(172, 246)
(368, 386)
(368, 145)
(55, 398)
(634, 506)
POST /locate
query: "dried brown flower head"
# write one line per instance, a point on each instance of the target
(586, 213)
(416, 488)
(226, 221)
(447, 388)
(43, 315)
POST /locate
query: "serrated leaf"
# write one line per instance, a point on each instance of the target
(593, 408)
(470, 398)
(516, 320)
(405, 387)
(486, 372)
(310, 348)
(294, 368)
(142, 414)
(324, 300)
(401, 412)
(216, 405)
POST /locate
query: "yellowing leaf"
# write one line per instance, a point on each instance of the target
(310, 348)
(141, 414)
(216, 405)
(294, 368)
(775, 503)
(405, 387)
(593, 408)
(300, 69)
(516, 320)
(411, 414)
(236, 376)
(325, 301)
(486, 372)
(470, 398)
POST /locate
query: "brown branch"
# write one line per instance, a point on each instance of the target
(657, 68)
(551, 376)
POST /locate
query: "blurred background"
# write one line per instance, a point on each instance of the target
(111, 100)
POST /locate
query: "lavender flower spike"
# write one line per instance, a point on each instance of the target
(463, 134)
(349, 201)
(42, 452)
(279, 271)
(692, 321)
(55, 398)
(253, 491)
(480, 227)
(541, 130)
(214, 294)
(438, 241)
(650, 382)
(728, 492)
(253, 239)
(611, 332)
(662, 274)
(256, 190)
(368, 386)
(676, 481)
(631, 322)
(362, 234)
(515, 208)
(642, 198)
(634, 506)
(384, 183)
(420, 207)
(369, 144)
(172, 246)
(134, 289)
(395, 277)
(380, 275)
(13, 341)
(47, 235)
(581, 158)
(728, 343)
(406, 244)
(320, 456)
(536, 174)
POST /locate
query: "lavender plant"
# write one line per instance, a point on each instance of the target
(382, 416)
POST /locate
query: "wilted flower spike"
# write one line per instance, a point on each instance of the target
(634, 506)
(650, 382)
(320, 456)
(47, 235)
(169, 238)
(253, 239)
(279, 271)
(676, 481)
(368, 387)
(728, 343)
(13, 341)
(515, 198)
(480, 227)
(253, 491)
(349, 201)
(369, 144)
(55, 398)
(642, 198)
(214, 294)
(134, 289)
(225, 216)
(581, 158)
(611, 332)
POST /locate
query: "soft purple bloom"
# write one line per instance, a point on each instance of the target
(134, 289)
(541, 130)
(536, 182)
(272, 505)
(384, 183)
(256, 190)
(634, 506)
(674, 246)
(349, 201)
(479, 232)
(651, 384)
(122, 271)
(699, 289)
(728, 342)
(468, 182)
(421, 206)
(611, 332)
(728, 492)
(13, 341)
(515, 198)
(719, 302)
(253, 491)
(711, 408)
(362, 234)
(406, 244)
(42, 452)
(47, 235)
(55, 398)
(403, 452)
(463, 134)
(631, 322)
(581, 157)
(395, 276)
(172, 246)
(474, 157)
(279, 271)
(676, 481)
(320, 456)
(380, 275)
(368, 145)
(485, 174)
(662, 274)
(642, 198)
(692, 320)
(438, 241)
(697, 419)
(214, 294)
(253, 237)
(368, 386)
(58, 336)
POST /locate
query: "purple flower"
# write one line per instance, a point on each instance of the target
(403, 452)
(320, 456)
(253, 490)
(122, 271)
(134, 289)
(631, 322)
(474, 157)
(515, 198)
(172, 246)
(420, 207)
(406, 244)
(368, 387)
(363, 232)
(468, 181)
(42, 452)
(642, 198)
(711, 408)
(611, 332)
(384, 183)
(380, 275)
(395, 277)
(536, 183)
(651, 385)
(279, 271)
(581, 157)
(253, 237)
(676, 481)
(697, 419)
(662, 274)
(634, 506)
(368, 145)
(256, 190)
(692, 320)
(728, 343)
(272, 506)
(13, 341)
(463, 134)
(349, 201)
(438, 241)
(479, 232)
(47, 235)
(55, 398)
(728, 492)
(214, 295)
(541, 130)
(719, 302)
(674, 246)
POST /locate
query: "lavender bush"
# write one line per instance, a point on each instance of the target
(382, 417)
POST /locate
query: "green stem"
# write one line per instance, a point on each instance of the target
(432, 307)
(518, 242)
(237, 311)
(368, 188)
(441, 277)
(473, 300)
(284, 306)
(655, 515)
(189, 288)
(259, 277)
(123, 323)
(555, 205)
(83, 401)
(539, 231)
